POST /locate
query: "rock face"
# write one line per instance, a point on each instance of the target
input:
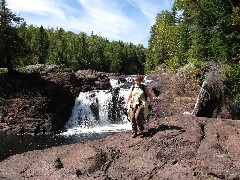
(179, 94)
(186, 148)
(212, 100)
(39, 102)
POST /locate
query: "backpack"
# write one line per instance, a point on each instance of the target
(142, 87)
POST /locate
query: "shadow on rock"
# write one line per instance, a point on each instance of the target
(32, 102)
(152, 131)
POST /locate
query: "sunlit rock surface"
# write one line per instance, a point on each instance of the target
(175, 146)
(185, 148)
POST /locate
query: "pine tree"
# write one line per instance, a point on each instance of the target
(42, 45)
(11, 45)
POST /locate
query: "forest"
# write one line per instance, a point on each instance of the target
(194, 34)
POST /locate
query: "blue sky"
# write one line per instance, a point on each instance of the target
(125, 20)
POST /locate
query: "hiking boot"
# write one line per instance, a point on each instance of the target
(134, 134)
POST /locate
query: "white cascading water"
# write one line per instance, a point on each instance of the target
(100, 110)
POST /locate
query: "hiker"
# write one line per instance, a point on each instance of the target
(136, 105)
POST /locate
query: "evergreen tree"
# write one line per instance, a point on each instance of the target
(42, 45)
(12, 46)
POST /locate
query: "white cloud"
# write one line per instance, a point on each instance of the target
(150, 8)
(39, 7)
(45, 12)
(105, 16)
(125, 20)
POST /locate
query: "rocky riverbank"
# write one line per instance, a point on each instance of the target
(41, 101)
(176, 146)
(185, 148)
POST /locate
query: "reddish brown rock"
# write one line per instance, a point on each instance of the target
(189, 148)
(184, 148)
(42, 101)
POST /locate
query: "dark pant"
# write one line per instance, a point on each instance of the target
(137, 118)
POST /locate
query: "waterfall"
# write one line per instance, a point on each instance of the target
(101, 110)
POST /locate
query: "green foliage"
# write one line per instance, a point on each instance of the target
(160, 41)
(80, 51)
(195, 70)
(195, 33)
(173, 64)
(28, 34)
(168, 43)
(232, 72)
(42, 45)
(3, 70)
(22, 45)
(12, 46)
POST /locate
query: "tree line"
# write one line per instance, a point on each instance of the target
(80, 51)
(193, 32)
(196, 33)
(22, 45)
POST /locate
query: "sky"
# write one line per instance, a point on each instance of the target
(124, 20)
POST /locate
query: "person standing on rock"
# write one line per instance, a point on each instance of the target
(137, 106)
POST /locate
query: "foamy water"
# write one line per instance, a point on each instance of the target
(100, 111)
